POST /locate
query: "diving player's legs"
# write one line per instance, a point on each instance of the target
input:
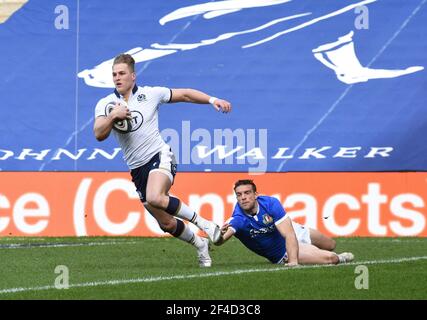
(313, 236)
(159, 183)
(180, 230)
(316, 248)
(321, 241)
(310, 254)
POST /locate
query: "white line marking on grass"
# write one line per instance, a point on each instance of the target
(207, 275)
(61, 245)
(381, 240)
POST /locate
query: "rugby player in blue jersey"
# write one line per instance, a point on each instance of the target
(261, 224)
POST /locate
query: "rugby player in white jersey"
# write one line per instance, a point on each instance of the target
(149, 158)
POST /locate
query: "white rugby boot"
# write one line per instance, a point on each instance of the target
(346, 257)
(210, 228)
(205, 260)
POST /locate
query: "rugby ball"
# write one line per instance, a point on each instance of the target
(122, 126)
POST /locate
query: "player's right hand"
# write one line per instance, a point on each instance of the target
(224, 228)
(120, 112)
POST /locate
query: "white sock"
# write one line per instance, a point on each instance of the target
(186, 213)
(189, 236)
(200, 222)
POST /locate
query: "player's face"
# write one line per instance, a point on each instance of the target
(123, 78)
(246, 197)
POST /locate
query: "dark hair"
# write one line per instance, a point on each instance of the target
(127, 59)
(245, 182)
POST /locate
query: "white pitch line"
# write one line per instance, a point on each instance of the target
(61, 245)
(380, 240)
(207, 275)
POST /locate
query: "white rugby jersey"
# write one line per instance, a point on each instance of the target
(144, 140)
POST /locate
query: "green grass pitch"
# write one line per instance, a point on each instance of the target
(166, 268)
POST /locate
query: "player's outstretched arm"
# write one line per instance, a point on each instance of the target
(287, 231)
(226, 233)
(196, 96)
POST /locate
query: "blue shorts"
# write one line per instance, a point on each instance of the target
(164, 162)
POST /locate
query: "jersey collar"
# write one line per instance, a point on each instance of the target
(250, 214)
(134, 90)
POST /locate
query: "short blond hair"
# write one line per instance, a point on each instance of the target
(127, 59)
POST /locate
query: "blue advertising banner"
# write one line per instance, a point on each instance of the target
(315, 85)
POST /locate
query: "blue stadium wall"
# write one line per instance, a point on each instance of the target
(329, 110)
(297, 104)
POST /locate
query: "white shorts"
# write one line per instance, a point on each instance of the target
(167, 163)
(302, 233)
(303, 236)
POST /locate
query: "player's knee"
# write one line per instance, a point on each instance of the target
(156, 200)
(331, 245)
(332, 258)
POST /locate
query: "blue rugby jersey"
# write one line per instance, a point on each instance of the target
(259, 233)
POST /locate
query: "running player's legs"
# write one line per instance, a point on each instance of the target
(321, 241)
(158, 186)
(309, 254)
(159, 182)
(178, 229)
(166, 222)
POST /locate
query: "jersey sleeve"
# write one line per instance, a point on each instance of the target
(100, 108)
(277, 211)
(163, 94)
(236, 224)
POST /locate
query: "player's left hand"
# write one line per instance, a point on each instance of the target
(222, 105)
